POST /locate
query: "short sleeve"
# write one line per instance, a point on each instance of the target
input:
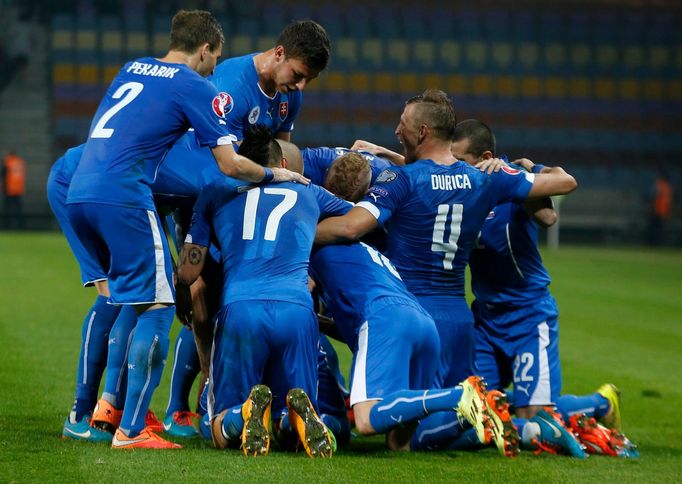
(387, 194)
(200, 229)
(205, 111)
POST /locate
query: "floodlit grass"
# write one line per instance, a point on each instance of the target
(621, 321)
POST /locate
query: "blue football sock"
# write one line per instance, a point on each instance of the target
(594, 405)
(202, 409)
(185, 369)
(339, 425)
(205, 427)
(467, 441)
(436, 431)
(117, 362)
(233, 423)
(408, 405)
(93, 355)
(146, 359)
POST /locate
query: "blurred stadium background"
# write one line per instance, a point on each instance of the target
(593, 85)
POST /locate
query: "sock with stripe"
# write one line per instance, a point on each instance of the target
(184, 371)
(146, 360)
(408, 405)
(117, 362)
(436, 432)
(233, 423)
(93, 356)
(594, 405)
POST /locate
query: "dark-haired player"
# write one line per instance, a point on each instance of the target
(262, 88)
(266, 331)
(433, 209)
(149, 105)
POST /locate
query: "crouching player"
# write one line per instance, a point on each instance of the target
(266, 331)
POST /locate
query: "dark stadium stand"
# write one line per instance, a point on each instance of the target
(579, 83)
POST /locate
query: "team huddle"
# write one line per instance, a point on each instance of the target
(281, 248)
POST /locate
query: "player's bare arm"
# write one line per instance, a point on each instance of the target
(553, 181)
(192, 259)
(541, 210)
(392, 156)
(351, 226)
(233, 164)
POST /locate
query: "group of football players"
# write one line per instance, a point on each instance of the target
(276, 243)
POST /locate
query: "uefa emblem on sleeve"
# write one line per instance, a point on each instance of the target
(222, 104)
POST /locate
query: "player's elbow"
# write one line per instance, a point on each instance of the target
(569, 184)
(546, 218)
(187, 275)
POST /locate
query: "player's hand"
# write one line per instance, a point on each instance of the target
(282, 175)
(524, 163)
(183, 304)
(490, 165)
(362, 145)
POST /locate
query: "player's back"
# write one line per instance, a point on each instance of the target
(147, 106)
(437, 212)
(354, 281)
(316, 162)
(265, 234)
(506, 266)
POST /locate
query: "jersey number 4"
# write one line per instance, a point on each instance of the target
(272, 224)
(439, 244)
(126, 93)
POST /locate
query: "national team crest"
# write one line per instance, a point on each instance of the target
(253, 114)
(510, 170)
(283, 110)
(222, 104)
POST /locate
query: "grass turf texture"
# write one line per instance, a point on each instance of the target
(620, 316)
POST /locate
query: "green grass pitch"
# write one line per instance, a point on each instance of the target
(621, 322)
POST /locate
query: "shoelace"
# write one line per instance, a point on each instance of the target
(184, 417)
(550, 449)
(150, 417)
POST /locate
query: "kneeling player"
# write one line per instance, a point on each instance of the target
(266, 331)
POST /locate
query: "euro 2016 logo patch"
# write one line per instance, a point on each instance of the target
(386, 176)
(253, 115)
(283, 110)
(222, 104)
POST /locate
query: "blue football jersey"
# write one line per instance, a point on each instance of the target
(433, 214)
(147, 107)
(247, 103)
(186, 169)
(316, 162)
(65, 167)
(506, 266)
(265, 234)
(352, 279)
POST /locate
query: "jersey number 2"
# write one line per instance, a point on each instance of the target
(252, 197)
(131, 91)
(439, 244)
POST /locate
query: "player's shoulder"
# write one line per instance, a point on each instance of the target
(235, 72)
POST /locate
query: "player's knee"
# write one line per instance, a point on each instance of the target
(362, 422)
